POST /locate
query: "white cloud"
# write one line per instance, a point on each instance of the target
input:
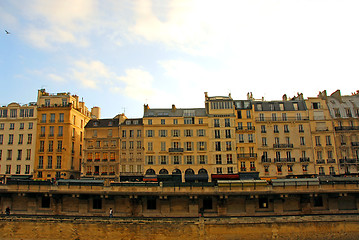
(56, 78)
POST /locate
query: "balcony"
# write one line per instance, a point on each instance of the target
(355, 144)
(89, 173)
(349, 161)
(282, 145)
(304, 159)
(97, 159)
(253, 169)
(104, 173)
(284, 160)
(246, 155)
(175, 150)
(331, 160)
(320, 161)
(280, 119)
(346, 128)
(42, 135)
(104, 160)
(243, 169)
(266, 160)
(89, 159)
(96, 173)
(112, 173)
(245, 128)
(112, 160)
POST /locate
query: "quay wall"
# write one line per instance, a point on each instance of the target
(287, 227)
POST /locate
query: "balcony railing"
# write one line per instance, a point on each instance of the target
(320, 161)
(355, 144)
(280, 119)
(331, 160)
(243, 169)
(246, 155)
(304, 159)
(175, 150)
(89, 159)
(245, 128)
(349, 161)
(284, 160)
(346, 128)
(282, 145)
(266, 160)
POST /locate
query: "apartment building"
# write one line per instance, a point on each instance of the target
(284, 138)
(60, 132)
(131, 149)
(246, 143)
(322, 134)
(344, 110)
(101, 148)
(176, 144)
(221, 135)
(17, 139)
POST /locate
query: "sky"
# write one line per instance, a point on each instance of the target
(121, 54)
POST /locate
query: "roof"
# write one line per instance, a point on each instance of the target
(276, 105)
(101, 123)
(178, 112)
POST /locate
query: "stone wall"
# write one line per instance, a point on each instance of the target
(304, 227)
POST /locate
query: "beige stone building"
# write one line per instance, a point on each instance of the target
(344, 111)
(284, 138)
(60, 132)
(322, 134)
(131, 149)
(17, 139)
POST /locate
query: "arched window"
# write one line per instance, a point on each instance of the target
(203, 171)
(163, 171)
(150, 172)
(189, 171)
(176, 171)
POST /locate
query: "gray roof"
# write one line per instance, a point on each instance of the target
(178, 112)
(275, 105)
(100, 123)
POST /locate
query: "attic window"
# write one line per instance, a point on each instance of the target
(95, 123)
(110, 123)
(316, 105)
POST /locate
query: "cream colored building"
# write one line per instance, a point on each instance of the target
(322, 134)
(17, 139)
(60, 132)
(284, 138)
(344, 111)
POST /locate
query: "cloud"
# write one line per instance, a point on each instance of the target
(56, 78)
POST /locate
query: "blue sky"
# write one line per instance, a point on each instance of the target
(121, 54)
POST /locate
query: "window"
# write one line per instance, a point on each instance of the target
(250, 138)
(97, 203)
(109, 133)
(201, 133)
(21, 126)
(29, 138)
(316, 105)
(52, 117)
(218, 146)
(151, 204)
(328, 140)
(299, 116)
(58, 162)
(12, 126)
(163, 146)
(276, 140)
(163, 133)
(150, 160)
(132, 133)
(239, 114)
(240, 126)
(240, 138)
(139, 133)
(123, 145)
(188, 146)
(200, 121)
(219, 170)
(149, 146)
(41, 162)
(286, 129)
(227, 122)
(1, 139)
(11, 139)
(59, 146)
(163, 159)
(175, 133)
(49, 162)
(249, 114)
(149, 122)
(284, 115)
(275, 129)
(61, 117)
(301, 129)
(43, 118)
(2, 126)
(189, 159)
(317, 141)
(27, 169)
(176, 159)
(302, 141)
(249, 126)
(202, 159)
(149, 133)
(188, 120)
(42, 146)
(321, 171)
(230, 170)
(51, 134)
(8, 169)
(229, 146)
(274, 117)
(13, 113)
(163, 121)
(201, 146)
(175, 121)
(61, 131)
(28, 154)
(261, 117)
(31, 125)
(217, 133)
(319, 155)
(228, 133)
(229, 159)
(216, 123)
(123, 133)
(264, 141)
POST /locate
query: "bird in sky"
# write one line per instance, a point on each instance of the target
(7, 32)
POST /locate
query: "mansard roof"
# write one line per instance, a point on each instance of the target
(102, 123)
(177, 112)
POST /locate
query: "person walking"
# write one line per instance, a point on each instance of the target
(111, 213)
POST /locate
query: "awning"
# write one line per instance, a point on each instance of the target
(225, 176)
(196, 177)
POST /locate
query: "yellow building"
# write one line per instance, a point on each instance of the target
(284, 138)
(60, 131)
(344, 111)
(176, 144)
(17, 139)
(131, 149)
(101, 149)
(322, 134)
(246, 138)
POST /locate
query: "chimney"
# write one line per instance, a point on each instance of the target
(145, 107)
(173, 108)
(284, 98)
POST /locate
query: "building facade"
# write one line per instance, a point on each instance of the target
(60, 132)
(17, 139)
